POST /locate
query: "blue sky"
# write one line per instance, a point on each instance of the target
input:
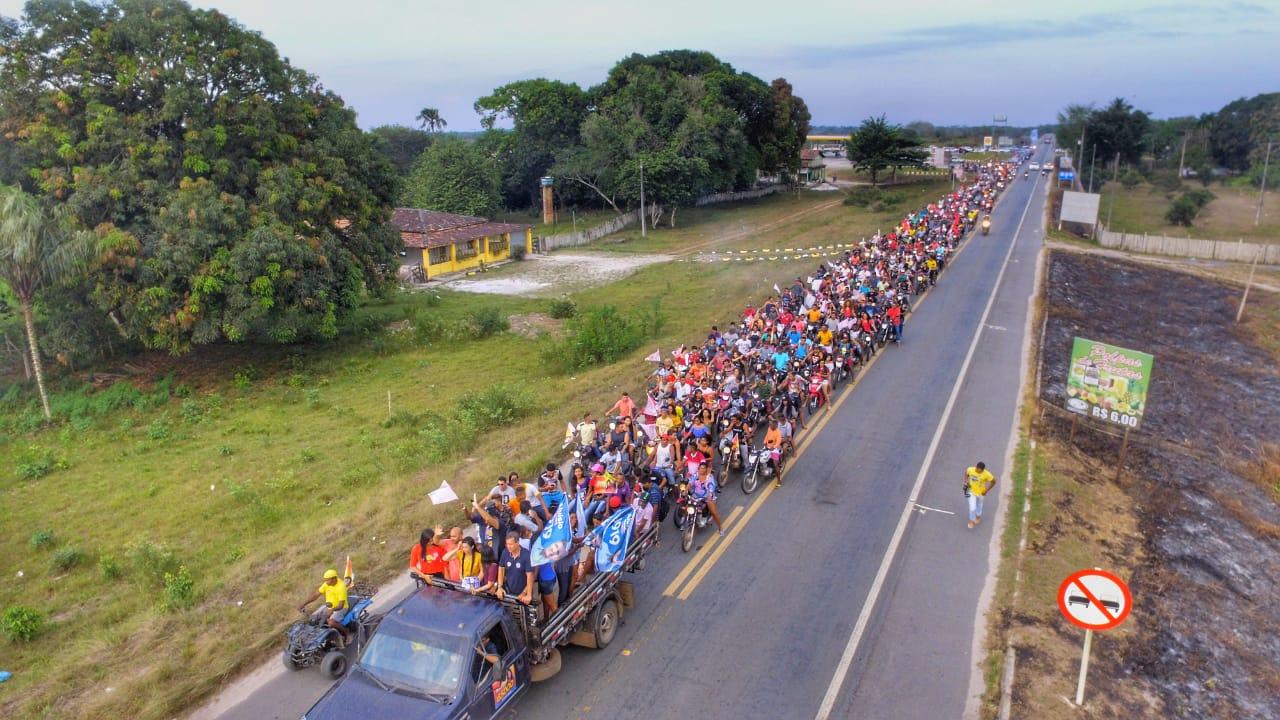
(946, 62)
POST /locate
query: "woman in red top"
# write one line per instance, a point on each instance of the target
(426, 559)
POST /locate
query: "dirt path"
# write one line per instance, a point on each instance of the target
(554, 273)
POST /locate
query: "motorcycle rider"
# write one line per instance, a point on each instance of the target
(986, 225)
(773, 446)
(702, 485)
(335, 604)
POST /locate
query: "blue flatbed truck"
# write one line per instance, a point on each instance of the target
(424, 660)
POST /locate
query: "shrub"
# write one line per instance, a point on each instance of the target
(110, 568)
(226, 450)
(495, 406)
(563, 308)
(1182, 212)
(152, 561)
(242, 380)
(1131, 179)
(179, 589)
(159, 428)
(428, 328)
(192, 411)
(308, 455)
(487, 321)
(67, 558)
(21, 623)
(36, 465)
(601, 335)
(431, 299)
(42, 539)
(874, 198)
(312, 397)
(1200, 197)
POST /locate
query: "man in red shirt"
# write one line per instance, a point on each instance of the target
(426, 559)
(894, 313)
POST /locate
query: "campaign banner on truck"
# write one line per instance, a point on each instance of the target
(1108, 383)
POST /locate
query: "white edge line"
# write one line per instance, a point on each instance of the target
(977, 680)
(846, 659)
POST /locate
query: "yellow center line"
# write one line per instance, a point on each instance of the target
(801, 447)
(702, 552)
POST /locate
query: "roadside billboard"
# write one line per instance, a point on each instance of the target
(1106, 382)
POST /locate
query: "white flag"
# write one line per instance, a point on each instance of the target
(442, 495)
(569, 432)
(655, 356)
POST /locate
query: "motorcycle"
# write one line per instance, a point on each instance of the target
(691, 515)
(815, 393)
(986, 228)
(759, 463)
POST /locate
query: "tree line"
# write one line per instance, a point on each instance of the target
(690, 120)
(1233, 139)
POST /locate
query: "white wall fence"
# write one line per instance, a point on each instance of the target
(736, 196)
(1237, 251)
(553, 242)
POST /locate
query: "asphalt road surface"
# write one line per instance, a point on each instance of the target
(835, 595)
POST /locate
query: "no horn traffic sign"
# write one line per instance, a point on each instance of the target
(1094, 599)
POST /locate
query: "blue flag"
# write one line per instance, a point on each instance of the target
(555, 541)
(615, 536)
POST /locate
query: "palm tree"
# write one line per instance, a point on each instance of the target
(431, 120)
(37, 249)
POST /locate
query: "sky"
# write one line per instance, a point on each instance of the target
(950, 63)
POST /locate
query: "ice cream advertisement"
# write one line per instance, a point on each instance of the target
(1107, 382)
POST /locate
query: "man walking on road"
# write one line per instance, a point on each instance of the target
(978, 481)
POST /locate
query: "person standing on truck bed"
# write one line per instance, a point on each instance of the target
(515, 573)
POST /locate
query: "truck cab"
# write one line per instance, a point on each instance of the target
(424, 663)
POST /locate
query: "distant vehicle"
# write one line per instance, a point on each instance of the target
(1034, 166)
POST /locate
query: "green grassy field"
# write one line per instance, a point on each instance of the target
(255, 468)
(1229, 216)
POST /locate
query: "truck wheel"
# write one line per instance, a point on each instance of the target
(289, 662)
(605, 623)
(546, 669)
(334, 664)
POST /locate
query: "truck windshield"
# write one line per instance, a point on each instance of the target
(429, 664)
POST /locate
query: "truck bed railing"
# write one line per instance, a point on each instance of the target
(543, 635)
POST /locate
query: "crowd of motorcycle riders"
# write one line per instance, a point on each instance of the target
(731, 404)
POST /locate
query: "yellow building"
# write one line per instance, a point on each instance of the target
(442, 243)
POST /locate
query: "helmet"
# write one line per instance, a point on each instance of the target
(330, 574)
(597, 468)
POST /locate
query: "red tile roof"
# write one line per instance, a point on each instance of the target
(807, 154)
(428, 228)
(416, 221)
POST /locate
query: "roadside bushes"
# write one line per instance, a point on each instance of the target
(21, 623)
(434, 437)
(601, 334)
(1131, 179)
(562, 308)
(1184, 210)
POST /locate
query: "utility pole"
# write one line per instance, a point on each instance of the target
(1114, 177)
(1183, 160)
(1084, 129)
(643, 231)
(1266, 167)
(1093, 157)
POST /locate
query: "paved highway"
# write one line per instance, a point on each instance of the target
(834, 596)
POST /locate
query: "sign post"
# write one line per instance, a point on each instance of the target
(1093, 600)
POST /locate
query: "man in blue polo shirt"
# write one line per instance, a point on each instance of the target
(515, 573)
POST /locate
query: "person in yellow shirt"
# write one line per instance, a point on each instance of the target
(824, 338)
(978, 481)
(335, 604)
